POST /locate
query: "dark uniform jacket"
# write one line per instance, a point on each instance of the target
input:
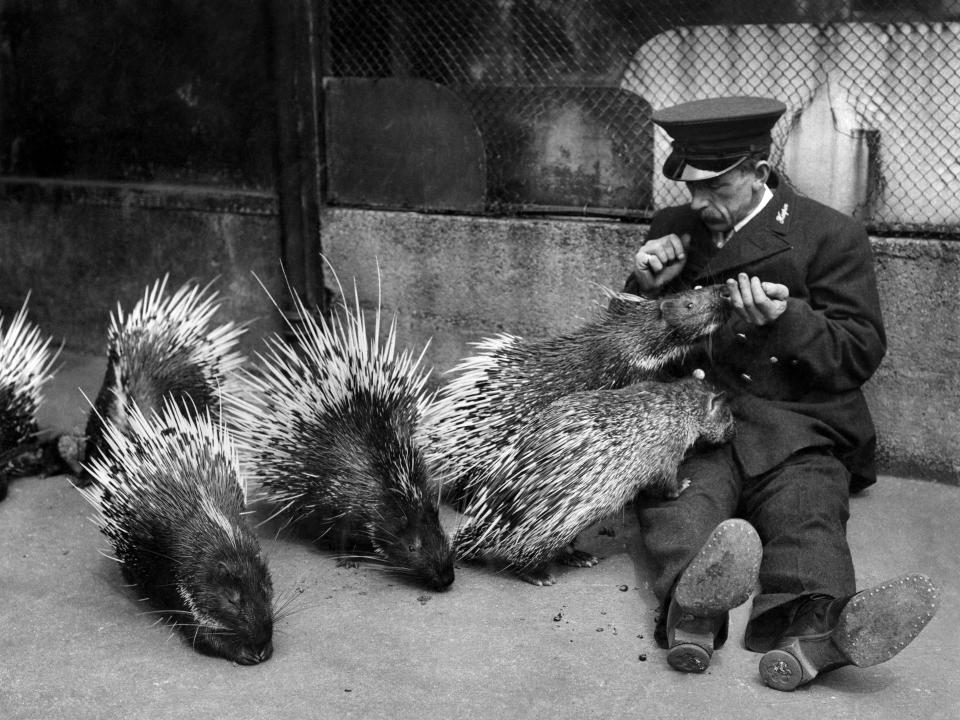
(795, 383)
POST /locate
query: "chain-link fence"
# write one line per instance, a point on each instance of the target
(561, 93)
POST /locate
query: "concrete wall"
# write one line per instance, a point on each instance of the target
(457, 279)
(82, 249)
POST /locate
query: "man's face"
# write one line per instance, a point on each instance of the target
(725, 200)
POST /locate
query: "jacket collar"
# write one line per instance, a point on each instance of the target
(763, 236)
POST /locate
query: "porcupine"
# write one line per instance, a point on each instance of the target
(165, 348)
(496, 391)
(581, 458)
(329, 431)
(169, 497)
(26, 363)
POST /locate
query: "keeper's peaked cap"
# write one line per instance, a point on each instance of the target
(713, 136)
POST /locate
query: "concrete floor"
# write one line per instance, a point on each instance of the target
(363, 644)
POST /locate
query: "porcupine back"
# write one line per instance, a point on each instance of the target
(165, 348)
(26, 362)
(581, 458)
(329, 434)
(169, 496)
(495, 392)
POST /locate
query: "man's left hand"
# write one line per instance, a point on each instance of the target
(758, 303)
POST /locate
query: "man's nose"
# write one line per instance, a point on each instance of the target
(698, 199)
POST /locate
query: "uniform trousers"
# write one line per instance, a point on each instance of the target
(799, 509)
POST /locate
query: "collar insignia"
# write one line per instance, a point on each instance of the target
(782, 215)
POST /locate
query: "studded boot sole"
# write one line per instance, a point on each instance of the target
(873, 627)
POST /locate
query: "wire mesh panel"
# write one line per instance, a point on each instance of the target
(562, 90)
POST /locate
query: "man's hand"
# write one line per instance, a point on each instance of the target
(758, 303)
(660, 260)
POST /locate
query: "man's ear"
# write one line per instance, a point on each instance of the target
(761, 173)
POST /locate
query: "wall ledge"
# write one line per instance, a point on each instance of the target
(151, 196)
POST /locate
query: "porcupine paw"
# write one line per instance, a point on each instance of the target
(577, 558)
(673, 492)
(538, 575)
(70, 448)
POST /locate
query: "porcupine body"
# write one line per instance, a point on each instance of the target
(330, 440)
(495, 392)
(164, 349)
(26, 362)
(168, 496)
(581, 458)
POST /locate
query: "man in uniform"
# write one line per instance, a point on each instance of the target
(805, 334)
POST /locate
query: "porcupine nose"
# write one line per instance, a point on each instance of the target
(265, 652)
(253, 655)
(443, 580)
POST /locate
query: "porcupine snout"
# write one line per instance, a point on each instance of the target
(439, 557)
(232, 596)
(229, 590)
(696, 313)
(423, 548)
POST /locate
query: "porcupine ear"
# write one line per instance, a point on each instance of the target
(715, 399)
(227, 576)
(223, 571)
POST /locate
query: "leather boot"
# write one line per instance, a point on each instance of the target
(720, 577)
(862, 630)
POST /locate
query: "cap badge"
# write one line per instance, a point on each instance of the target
(782, 215)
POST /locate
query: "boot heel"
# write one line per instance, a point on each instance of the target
(780, 670)
(688, 658)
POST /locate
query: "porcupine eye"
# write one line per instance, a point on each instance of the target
(227, 580)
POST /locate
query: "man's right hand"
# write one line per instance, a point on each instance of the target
(660, 260)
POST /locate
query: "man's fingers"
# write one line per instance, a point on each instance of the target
(748, 298)
(775, 291)
(678, 245)
(661, 259)
(757, 302)
(650, 261)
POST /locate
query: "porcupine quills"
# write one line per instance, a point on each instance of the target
(26, 364)
(329, 436)
(495, 392)
(169, 496)
(581, 458)
(166, 347)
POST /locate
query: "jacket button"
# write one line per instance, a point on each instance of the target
(741, 337)
(774, 359)
(794, 363)
(746, 378)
